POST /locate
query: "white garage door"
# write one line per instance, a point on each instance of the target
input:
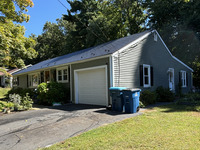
(91, 86)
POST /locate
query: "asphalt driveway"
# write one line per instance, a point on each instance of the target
(33, 129)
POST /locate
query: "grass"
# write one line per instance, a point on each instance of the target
(165, 127)
(3, 91)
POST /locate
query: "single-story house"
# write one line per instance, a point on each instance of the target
(140, 61)
(8, 80)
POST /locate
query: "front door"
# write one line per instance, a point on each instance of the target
(171, 79)
(47, 76)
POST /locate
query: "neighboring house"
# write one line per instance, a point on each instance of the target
(137, 61)
(8, 80)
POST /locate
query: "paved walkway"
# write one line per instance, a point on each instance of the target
(33, 129)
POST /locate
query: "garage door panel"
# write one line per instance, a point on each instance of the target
(92, 86)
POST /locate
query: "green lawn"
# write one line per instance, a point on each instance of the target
(165, 127)
(3, 91)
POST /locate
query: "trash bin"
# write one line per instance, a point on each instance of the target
(117, 98)
(131, 100)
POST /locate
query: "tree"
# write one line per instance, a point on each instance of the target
(9, 12)
(99, 21)
(178, 23)
(14, 47)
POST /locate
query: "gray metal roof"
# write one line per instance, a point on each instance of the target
(100, 50)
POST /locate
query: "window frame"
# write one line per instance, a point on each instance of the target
(30, 79)
(15, 81)
(62, 74)
(149, 75)
(183, 78)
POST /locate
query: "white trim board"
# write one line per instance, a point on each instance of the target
(76, 92)
(130, 44)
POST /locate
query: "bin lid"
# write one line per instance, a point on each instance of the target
(117, 88)
(132, 90)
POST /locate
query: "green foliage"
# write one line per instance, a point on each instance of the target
(89, 23)
(148, 97)
(9, 11)
(57, 92)
(22, 92)
(26, 102)
(164, 127)
(21, 103)
(178, 23)
(191, 99)
(164, 95)
(42, 93)
(52, 92)
(14, 47)
(141, 104)
(16, 100)
(3, 92)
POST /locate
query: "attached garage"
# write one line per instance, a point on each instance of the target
(91, 86)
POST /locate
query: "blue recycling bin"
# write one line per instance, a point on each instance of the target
(117, 98)
(131, 100)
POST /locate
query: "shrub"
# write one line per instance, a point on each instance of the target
(42, 93)
(56, 92)
(4, 104)
(147, 97)
(52, 92)
(164, 95)
(192, 99)
(21, 103)
(22, 92)
(16, 99)
(26, 102)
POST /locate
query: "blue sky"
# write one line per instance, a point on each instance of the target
(41, 12)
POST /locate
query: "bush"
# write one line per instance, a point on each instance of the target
(147, 97)
(42, 93)
(164, 95)
(21, 103)
(192, 99)
(52, 92)
(4, 104)
(22, 92)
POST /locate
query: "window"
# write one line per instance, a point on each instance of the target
(15, 81)
(62, 74)
(33, 80)
(183, 78)
(146, 76)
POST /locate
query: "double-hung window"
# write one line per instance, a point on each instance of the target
(183, 78)
(62, 74)
(146, 75)
(33, 80)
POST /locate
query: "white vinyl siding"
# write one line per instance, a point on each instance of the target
(126, 67)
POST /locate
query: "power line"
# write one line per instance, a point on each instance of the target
(81, 21)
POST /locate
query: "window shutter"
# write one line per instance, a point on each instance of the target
(180, 82)
(151, 76)
(141, 75)
(187, 79)
(27, 80)
(17, 81)
(54, 76)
